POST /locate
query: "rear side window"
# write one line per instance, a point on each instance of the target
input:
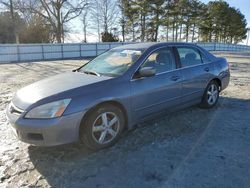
(189, 56)
(205, 59)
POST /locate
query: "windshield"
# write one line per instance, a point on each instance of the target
(113, 62)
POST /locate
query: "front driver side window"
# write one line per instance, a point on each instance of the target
(162, 60)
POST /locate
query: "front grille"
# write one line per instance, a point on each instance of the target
(15, 110)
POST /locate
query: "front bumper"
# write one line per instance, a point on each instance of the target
(46, 132)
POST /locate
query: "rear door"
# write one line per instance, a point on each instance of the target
(195, 73)
(162, 91)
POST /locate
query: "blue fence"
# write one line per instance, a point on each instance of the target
(40, 52)
(224, 47)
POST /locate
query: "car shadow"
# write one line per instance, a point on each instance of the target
(146, 156)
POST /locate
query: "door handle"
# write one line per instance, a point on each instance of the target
(206, 69)
(175, 78)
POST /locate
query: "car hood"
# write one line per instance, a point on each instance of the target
(52, 86)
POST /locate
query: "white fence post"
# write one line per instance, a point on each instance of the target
(18, 52)
(42, 51)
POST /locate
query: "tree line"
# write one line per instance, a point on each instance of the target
(47, 21)
(182, 20)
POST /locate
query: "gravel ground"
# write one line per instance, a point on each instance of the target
(191, 148)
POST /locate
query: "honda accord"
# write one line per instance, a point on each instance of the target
(115, 91)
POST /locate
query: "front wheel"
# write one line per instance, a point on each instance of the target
(211, 95)
(102, 127)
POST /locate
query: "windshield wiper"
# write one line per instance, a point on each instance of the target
(92, 73)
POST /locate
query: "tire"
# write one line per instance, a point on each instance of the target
(102, 127)
(211, 95)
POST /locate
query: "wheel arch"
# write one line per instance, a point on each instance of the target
(218, 81)
(109, 102)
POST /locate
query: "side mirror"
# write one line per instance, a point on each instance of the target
(147, 72)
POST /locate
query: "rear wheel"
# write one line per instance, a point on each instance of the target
(102, 127)
(211, 95)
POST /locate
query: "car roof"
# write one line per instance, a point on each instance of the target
(141, 45)
(152, 45)
(145, 45)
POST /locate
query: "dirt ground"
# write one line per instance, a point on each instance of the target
(191, 148)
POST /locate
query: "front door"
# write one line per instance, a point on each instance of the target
(162, 91)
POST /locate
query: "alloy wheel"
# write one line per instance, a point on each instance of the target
(105, 127)
(212, 94)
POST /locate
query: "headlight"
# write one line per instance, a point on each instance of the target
(49, 110)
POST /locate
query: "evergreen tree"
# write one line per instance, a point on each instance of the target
(156, 11)
(108, 37)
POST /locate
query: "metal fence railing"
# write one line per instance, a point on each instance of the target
(224, 47)
(41, 52)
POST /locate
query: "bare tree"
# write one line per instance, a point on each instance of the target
(109, 14)
(85, 20)
(104, 15)
(85, 24)
(95, 17)
(56, 12)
